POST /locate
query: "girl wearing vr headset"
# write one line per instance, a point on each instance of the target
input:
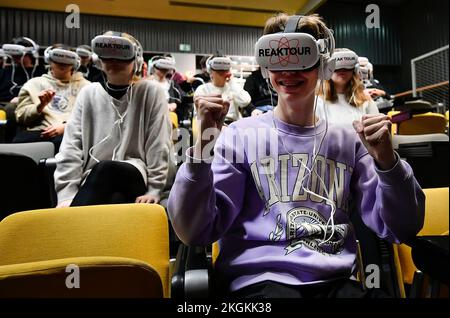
(219, 68)
(117, 142)
(45, 103)
(282, 218)
(346, 100)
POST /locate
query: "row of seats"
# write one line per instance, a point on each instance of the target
(125, 253)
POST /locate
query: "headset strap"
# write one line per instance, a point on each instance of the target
(292, 23)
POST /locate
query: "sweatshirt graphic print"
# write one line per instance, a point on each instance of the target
(272, 210)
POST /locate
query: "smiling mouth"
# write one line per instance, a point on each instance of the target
(291, 83)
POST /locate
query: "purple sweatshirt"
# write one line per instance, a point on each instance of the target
(271, 225)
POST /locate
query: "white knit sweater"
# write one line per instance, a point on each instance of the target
(342, 113)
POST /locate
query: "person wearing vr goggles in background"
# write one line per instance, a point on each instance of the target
(344, 93)
(222, 84)
(372, 86)
(90, 65)
(117, 142)
(262, 94)
(46, 102)
(161, 70)
(24, 56)
(281, 218)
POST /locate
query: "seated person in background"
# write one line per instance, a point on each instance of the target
(342, 98)
(282, 219)
(23, 58)
(24, 55)
(264, 98)
(89, 64)
(223, 84)
(204, 75)
(373, 86)
(45, 103)
(117, 142)
(161, 69)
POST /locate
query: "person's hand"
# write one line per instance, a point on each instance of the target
(375, 92)
(45, 97)
(147, 198)
(374, 132)
(211, 112)
(172, 107)
(228, 76)
(64, 204)
(256, 112)
(52, 131)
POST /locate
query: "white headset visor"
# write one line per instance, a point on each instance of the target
(165, 64)
(83, 52)
(363, 61)
(345, 59)
(220, 64)
(113, 47)
(14, 49)
(287, 51)
(63, 56)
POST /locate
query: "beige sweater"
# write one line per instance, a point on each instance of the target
(60, 107)
(95, 132)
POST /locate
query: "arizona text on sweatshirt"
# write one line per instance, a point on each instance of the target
(255, 198)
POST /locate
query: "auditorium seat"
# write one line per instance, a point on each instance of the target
(436, 224)
(120, 250)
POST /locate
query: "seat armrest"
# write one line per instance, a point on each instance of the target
(191, 273)
(430, 255)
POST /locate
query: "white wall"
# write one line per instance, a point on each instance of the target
(184, 62)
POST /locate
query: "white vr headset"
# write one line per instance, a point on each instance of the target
(61, 56)
(346, 60)
(118, 47)
(16, 49)
(363, 61)
(294, 51)
(2, 53)
(163, 63)
(83, 52)
(114, 47)
(365, 68)
(219, 63)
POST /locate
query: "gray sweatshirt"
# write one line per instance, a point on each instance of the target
(95, 132)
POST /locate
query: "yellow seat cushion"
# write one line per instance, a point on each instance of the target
(174, 119)
(98, 277)
(134, 231)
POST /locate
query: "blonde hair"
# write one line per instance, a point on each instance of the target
(136, 76)
(354, 91)
(311, 24)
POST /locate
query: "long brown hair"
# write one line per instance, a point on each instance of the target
(354, 92)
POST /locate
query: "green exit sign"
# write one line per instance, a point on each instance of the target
(185, 47)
